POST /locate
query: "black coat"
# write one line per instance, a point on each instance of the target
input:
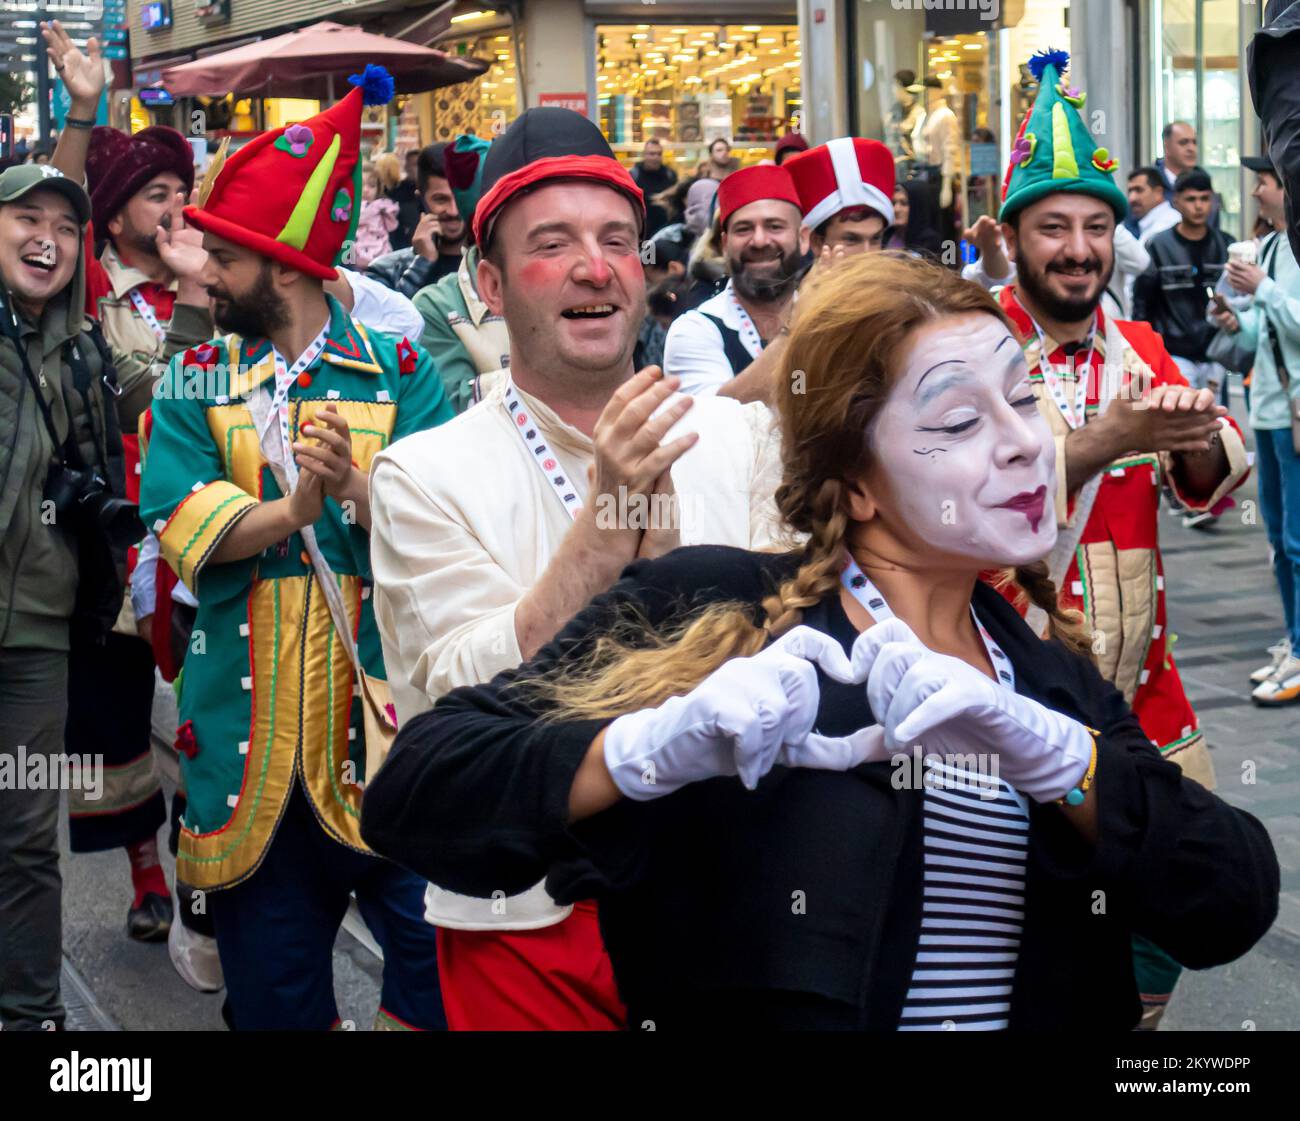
(696, 889)
(1272, 63)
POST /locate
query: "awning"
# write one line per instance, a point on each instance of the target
(315, 62)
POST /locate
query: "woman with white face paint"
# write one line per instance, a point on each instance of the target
(846, 786)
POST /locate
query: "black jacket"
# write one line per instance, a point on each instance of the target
(405, 271)
(1272, 63)
(695, 889)
(1170, 295)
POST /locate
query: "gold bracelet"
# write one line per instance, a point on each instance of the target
(1076, 796)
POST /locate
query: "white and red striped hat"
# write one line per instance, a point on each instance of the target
(843, 173)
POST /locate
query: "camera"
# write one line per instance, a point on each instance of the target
(85, 499)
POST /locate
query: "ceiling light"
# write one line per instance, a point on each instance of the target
(465, 17)
(750, 27)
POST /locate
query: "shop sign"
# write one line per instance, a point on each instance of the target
(984, 160)
(575, 101)
(156, 15)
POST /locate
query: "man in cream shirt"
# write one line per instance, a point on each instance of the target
(493, 530)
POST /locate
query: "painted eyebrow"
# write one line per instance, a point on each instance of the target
(939, 386)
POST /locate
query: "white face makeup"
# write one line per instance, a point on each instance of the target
(968, 461)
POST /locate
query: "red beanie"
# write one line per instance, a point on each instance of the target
(291, 194)
(118, 165)
(749, 184)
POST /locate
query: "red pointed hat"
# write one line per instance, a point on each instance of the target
(843, 173)
(749, 184)
(294, 193)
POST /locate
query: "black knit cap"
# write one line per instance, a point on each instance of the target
(547, 132)
(538, 133)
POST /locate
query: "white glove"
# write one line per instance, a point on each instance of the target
(949, 707)
(744, 718)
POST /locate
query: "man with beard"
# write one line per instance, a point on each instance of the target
(255, 483)
(1124, 420)
(438, 237)
(731, 344)
(571, 466)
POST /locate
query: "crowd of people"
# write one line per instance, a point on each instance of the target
(566, 583)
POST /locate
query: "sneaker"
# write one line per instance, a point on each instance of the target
(194, 957)
(150, 921)
(1282, 687)
(1280, 651)
(1203, 520)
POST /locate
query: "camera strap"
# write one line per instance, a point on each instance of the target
(11, 331)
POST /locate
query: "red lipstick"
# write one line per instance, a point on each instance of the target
(1029, 503)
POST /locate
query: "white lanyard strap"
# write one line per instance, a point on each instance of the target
(531, 434)
(1074, 413)
(284, 380)
(145, 312)
(861, 588)
(748, 332)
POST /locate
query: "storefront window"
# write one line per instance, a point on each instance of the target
(484, 105)
(688, 85)
(1200, 82)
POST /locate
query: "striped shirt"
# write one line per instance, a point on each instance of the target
(976, 837)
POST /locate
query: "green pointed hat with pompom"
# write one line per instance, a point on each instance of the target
(1054, 150)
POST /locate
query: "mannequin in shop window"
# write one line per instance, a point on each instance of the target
(903, 119)
(936, 148)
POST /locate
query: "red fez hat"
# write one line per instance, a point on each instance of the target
(293, 194)
(750, 184)
(843, 173)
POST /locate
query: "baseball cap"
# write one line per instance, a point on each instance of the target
(1259, 163)
(19, 181)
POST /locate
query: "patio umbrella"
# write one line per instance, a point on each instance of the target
(310, 61)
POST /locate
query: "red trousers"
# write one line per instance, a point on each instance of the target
(555, 979)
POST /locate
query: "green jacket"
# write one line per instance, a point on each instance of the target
(461, 335)
(38, 557)
(268, 696)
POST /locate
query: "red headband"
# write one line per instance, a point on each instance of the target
(599, 169)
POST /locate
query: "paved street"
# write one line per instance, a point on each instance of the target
(1225, 611)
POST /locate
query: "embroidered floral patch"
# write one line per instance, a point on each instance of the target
(1102, 161)
(1075, 97)
(203, 357)
(341, 209)
(295, 140)
(186, 744)
(406, 357)
(1023, 151)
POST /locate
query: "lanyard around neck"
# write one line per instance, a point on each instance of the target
(861, 587)
(145, 312)
(530, 433)
(748, 331)
(1074, 413)
(284, 380)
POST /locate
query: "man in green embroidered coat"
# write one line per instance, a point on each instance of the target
(255, 483)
